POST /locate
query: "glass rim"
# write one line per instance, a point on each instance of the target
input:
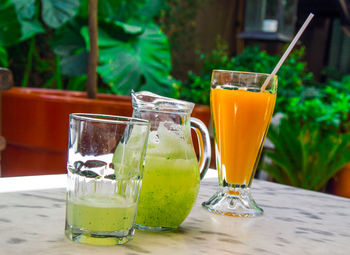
(243, 76)
(106, 118)
(242, 72)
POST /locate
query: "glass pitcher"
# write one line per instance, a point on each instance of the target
(172, 172)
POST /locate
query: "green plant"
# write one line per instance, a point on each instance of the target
(3, 57)
(312, 142)
(326, 106)
(305, 156)
(292, 76)
(48, 39)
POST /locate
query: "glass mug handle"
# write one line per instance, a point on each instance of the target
(203, 143)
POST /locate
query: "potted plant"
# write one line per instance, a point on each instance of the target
(341, 181)
(133, 54)
(305, 156)
(312, 141)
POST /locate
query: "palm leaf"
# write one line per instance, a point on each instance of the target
(286, 151)
(305, 157)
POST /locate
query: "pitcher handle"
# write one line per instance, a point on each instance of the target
(203, 144)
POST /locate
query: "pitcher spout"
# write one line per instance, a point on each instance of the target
(148, 101)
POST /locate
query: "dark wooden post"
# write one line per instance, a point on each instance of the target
(6, 82)
(91, 84)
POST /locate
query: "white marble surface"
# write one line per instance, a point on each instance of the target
(296, 221)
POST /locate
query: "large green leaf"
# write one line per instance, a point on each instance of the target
(67, 39)
(128, 11)
(109, 8)
(25, 9)
(56, 12)
(10, 29)
(111, 33)
(117, 26)
(30, 28)
(74, 65)
(104, 39)
(151, 8)
(120, 69)
(30, 25)
(3, 57)
(77, 83)
(122, 10)
(144, 62)
(69, 44)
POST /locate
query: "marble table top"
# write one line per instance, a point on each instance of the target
(295, 221)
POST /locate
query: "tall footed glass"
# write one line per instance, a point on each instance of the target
(241, 115)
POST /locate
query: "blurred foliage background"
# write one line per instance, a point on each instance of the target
(151, 45)
(45, 43)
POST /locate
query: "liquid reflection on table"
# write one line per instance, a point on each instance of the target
(295, 221)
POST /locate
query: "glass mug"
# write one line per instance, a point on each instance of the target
(172, 172)
(241, 115)
(105, 164)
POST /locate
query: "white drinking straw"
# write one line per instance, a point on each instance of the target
(286, 53)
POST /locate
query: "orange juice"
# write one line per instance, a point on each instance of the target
(241, 120)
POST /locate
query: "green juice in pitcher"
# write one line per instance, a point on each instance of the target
(170, 183)
(172, 172)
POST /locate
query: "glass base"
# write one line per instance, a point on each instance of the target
(103, 239)
(236, 202)
(154, 229)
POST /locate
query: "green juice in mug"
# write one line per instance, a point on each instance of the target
(98, 213)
